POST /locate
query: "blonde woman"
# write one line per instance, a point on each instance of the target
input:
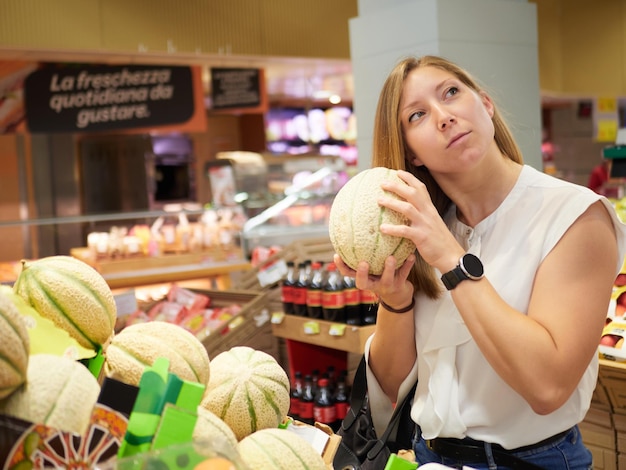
(499, 313)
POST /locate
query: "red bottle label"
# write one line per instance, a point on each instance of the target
(299, 295)
(306, 410)
(287, 294)
(314, 298)
(333, 299)
(294, 407)
(325, 414)
(368, 297)
(341, 409)
(352, 296)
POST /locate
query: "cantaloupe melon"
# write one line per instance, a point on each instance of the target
(139, 345)
(73, 295)
(58, 392)
(279, 449)
(248, 390)
(14, 346)
(355, 218)
(211, 429)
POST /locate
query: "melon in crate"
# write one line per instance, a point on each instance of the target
(355, 218)
(59, 392)
(73, 295)
(279, 449)
(15, 344)
(137, 346)
(248, 390)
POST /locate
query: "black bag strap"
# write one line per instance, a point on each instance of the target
(358, 397)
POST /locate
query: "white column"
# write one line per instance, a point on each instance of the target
(495, 40)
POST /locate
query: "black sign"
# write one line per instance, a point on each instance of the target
(235, 88)
(97, 98)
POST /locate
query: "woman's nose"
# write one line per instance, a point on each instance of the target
(446, 121)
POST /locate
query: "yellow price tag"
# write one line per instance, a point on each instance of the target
(337, 329)
(311, 328)
(277, 318)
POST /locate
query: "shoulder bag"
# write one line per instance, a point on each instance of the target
(360, 448)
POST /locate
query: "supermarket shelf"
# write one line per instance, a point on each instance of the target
(302, 329)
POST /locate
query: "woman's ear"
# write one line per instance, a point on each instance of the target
(416, 161)
(410, 157)
(487, 103)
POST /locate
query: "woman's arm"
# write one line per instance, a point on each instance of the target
(392, 351)
(543, 354)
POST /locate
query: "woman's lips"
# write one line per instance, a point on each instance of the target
(457, 138)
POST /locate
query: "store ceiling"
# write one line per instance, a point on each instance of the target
(295, 81)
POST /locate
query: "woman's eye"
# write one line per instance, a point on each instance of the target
(452, 91)
(415, 116)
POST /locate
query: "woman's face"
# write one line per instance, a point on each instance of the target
(446, 124)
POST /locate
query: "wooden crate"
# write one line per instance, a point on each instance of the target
(612, 375)
(242, 330)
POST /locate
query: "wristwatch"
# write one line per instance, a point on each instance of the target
(469, 267)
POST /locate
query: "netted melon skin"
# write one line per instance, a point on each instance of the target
(355, 218)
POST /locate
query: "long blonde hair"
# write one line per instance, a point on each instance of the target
(390, 149)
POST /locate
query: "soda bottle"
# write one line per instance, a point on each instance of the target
(295, 395)
(352, 299)
(306, 401)
(324, 406)
(341, 403)
(286, 289)
(333, 301)
(314, 291)
(299, 291)
(315, 377)
(369, 307)
(332, 379)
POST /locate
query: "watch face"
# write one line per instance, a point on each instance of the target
(472, 266)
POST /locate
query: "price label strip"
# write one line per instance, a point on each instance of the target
(337, 329)
(277, 318)
(311, 328)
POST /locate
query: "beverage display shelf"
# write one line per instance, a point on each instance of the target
(338, 336)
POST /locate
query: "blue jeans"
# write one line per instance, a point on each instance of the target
(567, 453)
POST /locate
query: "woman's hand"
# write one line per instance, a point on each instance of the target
(426, 229)
(392, 286)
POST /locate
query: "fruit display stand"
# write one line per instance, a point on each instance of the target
(251, 327)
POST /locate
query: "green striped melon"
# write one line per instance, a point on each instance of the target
(15, 344)
(139, 345)
(279, 449)
(248, 390)
(355, 218)
(59, 392)
(211, 429)
(73, 295)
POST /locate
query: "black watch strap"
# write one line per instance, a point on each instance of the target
(469, 267)
(453, 278)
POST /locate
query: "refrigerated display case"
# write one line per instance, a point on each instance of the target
(301, 213)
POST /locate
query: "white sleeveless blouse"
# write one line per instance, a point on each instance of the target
(511, 242)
